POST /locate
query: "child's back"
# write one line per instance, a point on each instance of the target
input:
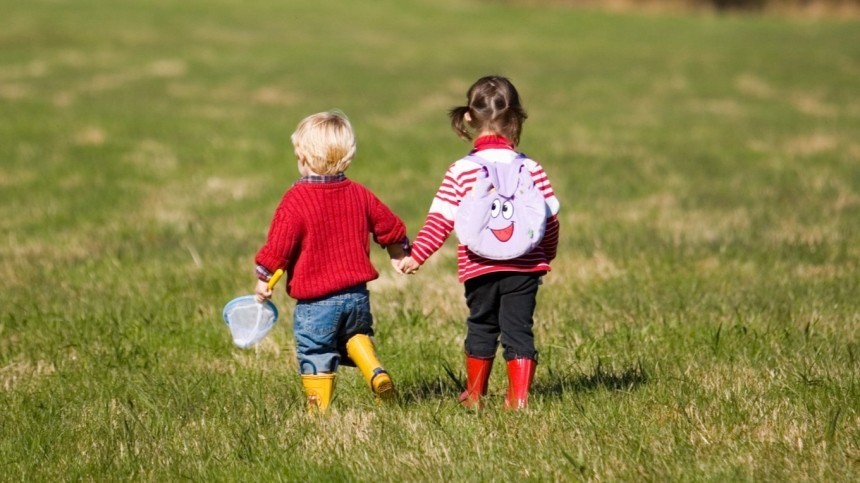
(501, 293)
(320, 237)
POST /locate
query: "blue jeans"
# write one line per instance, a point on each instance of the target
(322, 327)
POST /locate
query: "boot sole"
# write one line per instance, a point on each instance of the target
(382, 386)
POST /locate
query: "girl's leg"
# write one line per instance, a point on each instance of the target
(482, 337)
(477, 376)
(518, 300)
(482, 326)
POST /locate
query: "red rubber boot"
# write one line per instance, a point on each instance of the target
(477, 376)
(520, 375)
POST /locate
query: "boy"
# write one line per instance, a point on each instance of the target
(319, 236)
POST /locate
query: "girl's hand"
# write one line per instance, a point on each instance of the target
(408, 266)
(262, 291)
(395, 262)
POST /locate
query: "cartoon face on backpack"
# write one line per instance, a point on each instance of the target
(500, 224)
(504, 216)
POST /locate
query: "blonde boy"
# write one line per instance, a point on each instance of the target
(320, 237)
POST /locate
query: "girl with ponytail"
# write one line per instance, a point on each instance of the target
(500, 294)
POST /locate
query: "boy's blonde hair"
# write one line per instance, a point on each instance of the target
(325, 141)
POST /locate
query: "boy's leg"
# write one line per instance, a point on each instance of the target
(318, 391)
(315, 330)
(360, 349)
(518, 300)
(358, 327)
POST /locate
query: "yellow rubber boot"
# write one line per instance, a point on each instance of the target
(318, 389)
(359, 348)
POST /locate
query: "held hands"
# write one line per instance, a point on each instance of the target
(407, 266)
(402, 263)
(262, 291)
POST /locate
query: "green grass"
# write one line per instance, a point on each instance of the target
(702, 321)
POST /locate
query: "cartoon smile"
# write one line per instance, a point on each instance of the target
(504, 234)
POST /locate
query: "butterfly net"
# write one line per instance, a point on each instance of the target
(249, 320)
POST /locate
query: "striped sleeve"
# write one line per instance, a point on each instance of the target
(440, 220)
(549, 243)
(542, 183)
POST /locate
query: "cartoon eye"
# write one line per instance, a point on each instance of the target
(494, 210)
(508, 210)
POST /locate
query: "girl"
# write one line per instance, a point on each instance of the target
(500, 294)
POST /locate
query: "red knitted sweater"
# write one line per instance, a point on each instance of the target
(319, 236)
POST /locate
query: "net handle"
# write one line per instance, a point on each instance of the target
(275, 277)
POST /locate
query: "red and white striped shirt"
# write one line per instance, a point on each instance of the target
(459, 181)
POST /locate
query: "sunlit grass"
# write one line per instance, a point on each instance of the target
(700, 323)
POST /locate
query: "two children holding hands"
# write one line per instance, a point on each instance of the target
(319, 236)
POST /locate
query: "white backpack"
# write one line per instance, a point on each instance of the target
(504, 216)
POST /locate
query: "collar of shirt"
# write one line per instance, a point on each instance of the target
(322, 178)
(492, 142)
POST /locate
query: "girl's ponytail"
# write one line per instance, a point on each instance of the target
(458, 121)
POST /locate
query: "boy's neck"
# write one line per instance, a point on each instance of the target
(322, 178)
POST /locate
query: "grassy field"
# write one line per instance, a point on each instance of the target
(701, 323)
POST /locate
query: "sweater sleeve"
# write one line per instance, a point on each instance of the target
(282, 240)
(386, 227)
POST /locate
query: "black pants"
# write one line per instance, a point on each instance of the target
(501, 305)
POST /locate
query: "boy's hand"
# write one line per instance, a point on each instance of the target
(408, 265)
(262, 291)
(396, 253)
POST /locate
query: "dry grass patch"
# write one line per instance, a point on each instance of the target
(428, 107)
(19, 372)
(346, 431)
(789, 230)
(721, 107)
(153, 156)
(598, 266)
(90, 136)
(684, 225)
(812, 105)
(14, 92)
(755, 86)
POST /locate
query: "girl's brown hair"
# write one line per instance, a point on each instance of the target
(493, 105)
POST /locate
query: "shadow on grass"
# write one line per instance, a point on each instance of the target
(627, 378)
(440, 387)
(553, 384)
